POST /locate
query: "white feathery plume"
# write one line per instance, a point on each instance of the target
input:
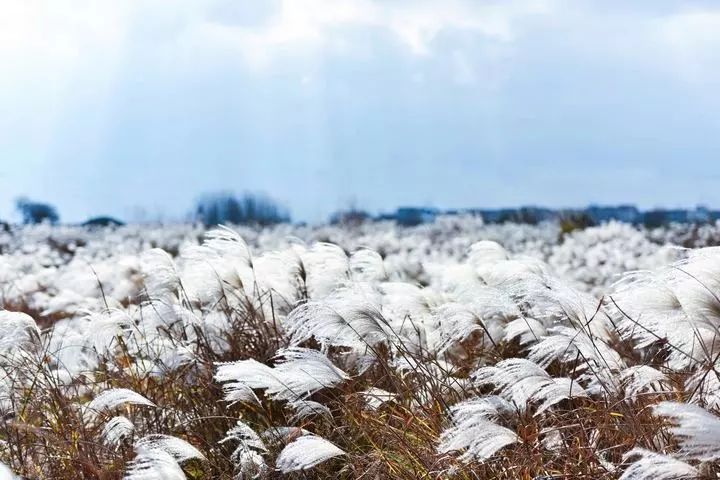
(400, 300)
(204, 277)
(159, 457)
(160, 274)
(696, 281)
(18, 331)
(228, 244)
(474, 429)
(457, 322)
(115, 397)
(307, 408)
(234, 261)
(656, 466)
(522, 381)
(648, 310)
(177, 447)
(303, 371)
(239, 392)
(222, 265)
(376, 397)
(242, 377)
(367, 265)
(352, 326)
(242, 433)
(460, 280)
(326, 268)
(298, 373)
(505, 272)
(554, 391)
(104, 328)
(597, 360)
(154, 465)
(678, 303)
(705, 387)
(247, 457)
(161, 324)
(697, 430)
(552, 302)
(6, 473)
(639, 378)
(282, 273)
(490, 303)
(117, 430)
(305, 452)
(491, 407)
(486, 252)
(249, 464)
(527, 330)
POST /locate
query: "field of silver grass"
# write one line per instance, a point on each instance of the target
(451, 350)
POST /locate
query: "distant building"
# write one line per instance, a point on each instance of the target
(410, 216)
(621, 213)
(700, 215)
(592, 215)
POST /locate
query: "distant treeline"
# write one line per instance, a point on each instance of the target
(583, 217)
(210, 209)
(247, 209)
(256, 209)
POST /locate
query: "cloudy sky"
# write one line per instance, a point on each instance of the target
(109, 106)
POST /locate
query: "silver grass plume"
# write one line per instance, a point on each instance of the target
(18, 331)
(475, 431)
(159, 457)
(247, 456)
(298, 373)
(117, 430)
(697, 430)
(305, 452)
(522, 381)
(641, 378)
(115, 397)
(656, 466)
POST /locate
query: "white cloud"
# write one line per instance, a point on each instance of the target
(692, 40)
(309, 25)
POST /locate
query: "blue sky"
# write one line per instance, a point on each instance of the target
(107, 107)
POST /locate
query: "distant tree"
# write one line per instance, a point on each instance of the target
(352, 216)
(248, 209)
(36, 212)
(655, 218)
(572, 220)
(103, 222)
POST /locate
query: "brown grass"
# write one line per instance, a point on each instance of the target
(47, 437)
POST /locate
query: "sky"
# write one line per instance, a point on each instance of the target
(136, 108)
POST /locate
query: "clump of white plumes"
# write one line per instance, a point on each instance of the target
(678, 304)
(697, 430)
(298, 373)
(474, 428)
(523, 382)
